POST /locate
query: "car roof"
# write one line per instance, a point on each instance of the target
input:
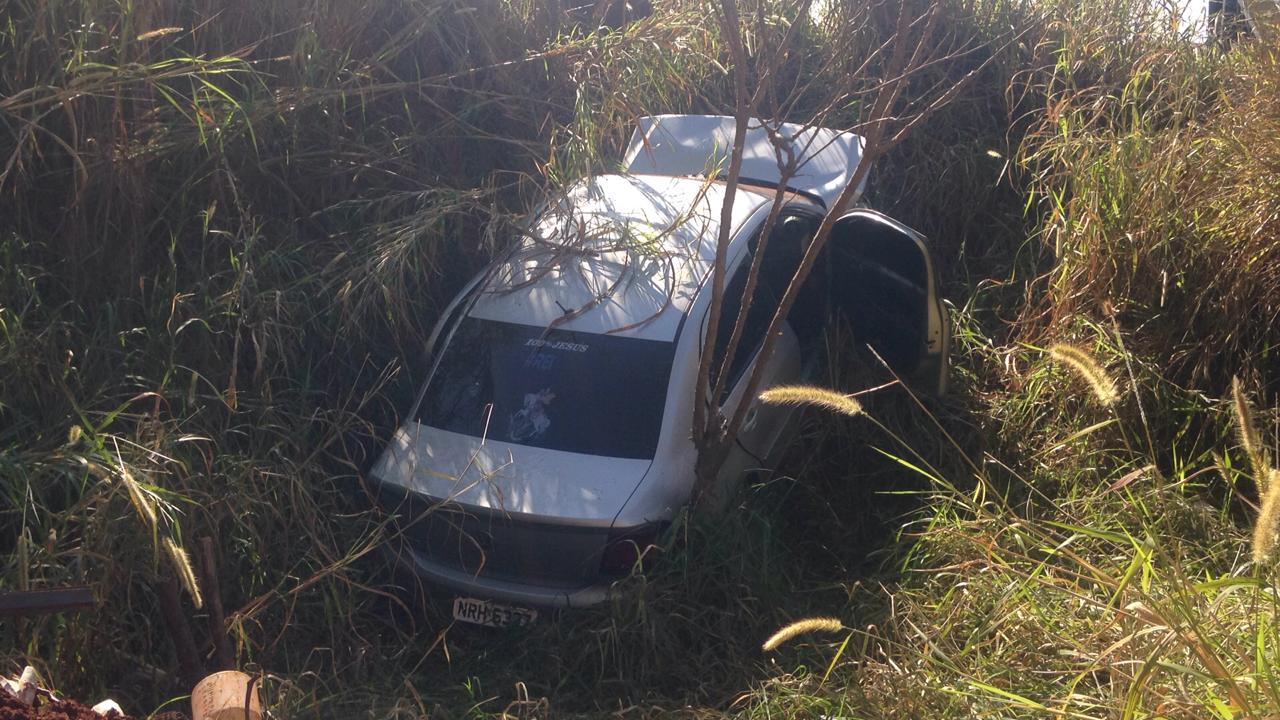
(617, 254)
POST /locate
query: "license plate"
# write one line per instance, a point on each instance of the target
(491, 614)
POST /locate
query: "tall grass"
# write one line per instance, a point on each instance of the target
(225, 228)
(1097, 559)
(1111, 559)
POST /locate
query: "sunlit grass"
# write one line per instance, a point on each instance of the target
(224, 237)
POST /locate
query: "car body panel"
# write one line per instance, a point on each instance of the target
(680, 145)
(617, 254)
(521, 479)
(540, 594)
(509, 477)
(764, 423)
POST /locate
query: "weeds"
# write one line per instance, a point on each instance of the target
(225, 231)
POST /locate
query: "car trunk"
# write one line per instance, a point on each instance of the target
(503, 510)
(480, 541)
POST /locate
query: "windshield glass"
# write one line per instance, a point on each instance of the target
(556, 389)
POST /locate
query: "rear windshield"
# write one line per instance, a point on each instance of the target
(555, 389)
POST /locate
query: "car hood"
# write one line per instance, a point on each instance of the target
(507, 477)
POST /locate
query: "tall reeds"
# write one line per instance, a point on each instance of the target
(1267, 478)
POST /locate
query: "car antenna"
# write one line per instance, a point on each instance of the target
(563, 309)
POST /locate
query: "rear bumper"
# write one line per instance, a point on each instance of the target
(413, 562)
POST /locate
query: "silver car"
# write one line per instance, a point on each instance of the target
(550, 446)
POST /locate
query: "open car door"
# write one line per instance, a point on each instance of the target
(883, 280)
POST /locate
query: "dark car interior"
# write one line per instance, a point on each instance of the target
(872, 276)
(878, 284)
(782, 256)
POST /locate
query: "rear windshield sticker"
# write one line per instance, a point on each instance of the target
(556, 345)
(531, 421)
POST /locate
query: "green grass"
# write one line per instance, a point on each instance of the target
(221, 246)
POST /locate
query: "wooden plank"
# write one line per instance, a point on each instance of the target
(47, 600)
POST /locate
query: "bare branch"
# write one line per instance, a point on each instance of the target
(883, 122)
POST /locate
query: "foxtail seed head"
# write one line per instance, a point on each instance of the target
(1104, 388)
(141, 503)
(1249, 441)
(182, 568)
(801, 627)
(810, 395)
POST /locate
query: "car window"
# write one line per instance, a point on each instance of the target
(782, 257)
(571, 391)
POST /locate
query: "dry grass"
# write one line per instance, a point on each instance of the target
(221, 246)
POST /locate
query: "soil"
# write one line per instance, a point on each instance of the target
(46, 709)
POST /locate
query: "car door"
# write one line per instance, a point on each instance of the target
(882, 278)
(764, 424)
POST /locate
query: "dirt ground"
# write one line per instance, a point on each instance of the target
(45, 709)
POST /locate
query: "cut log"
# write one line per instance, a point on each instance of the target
(184, 644)
(217, 616)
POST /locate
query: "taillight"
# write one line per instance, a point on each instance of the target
(628, 548)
